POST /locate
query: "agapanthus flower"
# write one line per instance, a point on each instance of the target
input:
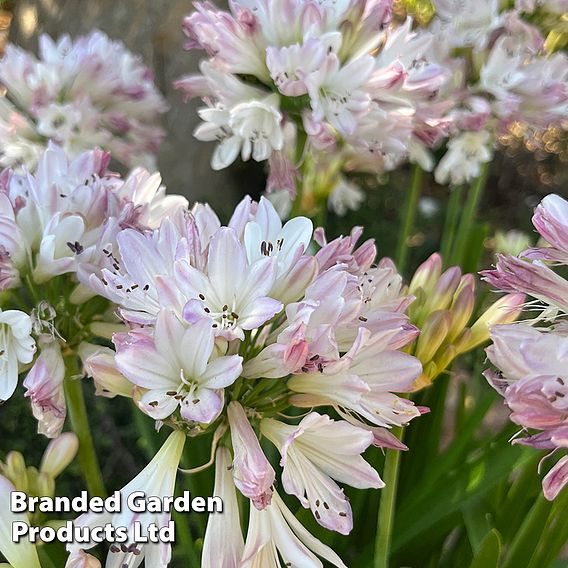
(80, 93)
(532, 356)
(283, 78)
(225, 327)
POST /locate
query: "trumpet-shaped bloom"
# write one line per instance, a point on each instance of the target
(223, 544)
(275, 531)
(177, 369)
(316, 452)
(16, 346)
(157, 479)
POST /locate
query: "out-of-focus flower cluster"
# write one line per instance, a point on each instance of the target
(57, 227)
(79, 93)
(532, 357)
(336, 80)
(504, 77)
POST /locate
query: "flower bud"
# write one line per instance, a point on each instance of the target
(462, 306)
(59, 454)
(426, 275)
(432, 335)
(252, 472)
(504, 310)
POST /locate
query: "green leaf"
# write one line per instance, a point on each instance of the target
(489, 551)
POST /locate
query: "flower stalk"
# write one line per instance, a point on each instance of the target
(87, 457)
(409, 218)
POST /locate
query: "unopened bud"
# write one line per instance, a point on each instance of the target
(505, 310)
(426, 275)
(16, 471)
(44, 485)
(100, 365)
(432, 335)
(462, 307)
(59, 454)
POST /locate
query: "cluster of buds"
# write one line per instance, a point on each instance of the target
(80, 94)
(59, 454)
(531, 357)
(284, 80)
(442, 310)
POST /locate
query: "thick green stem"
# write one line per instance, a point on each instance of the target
(468, 217)
(87, 456)
(409, 217)
(387, 506)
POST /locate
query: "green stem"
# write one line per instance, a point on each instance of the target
(451, 223)
(409, 217)
(387, 505)
(87, 456)
(468, 217)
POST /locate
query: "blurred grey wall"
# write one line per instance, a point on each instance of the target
(151, 28)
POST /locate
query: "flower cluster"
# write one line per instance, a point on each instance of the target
(229, 326)
(337, 78)
(532, 360)
(504, 78)
(57, 227)
(80, 94)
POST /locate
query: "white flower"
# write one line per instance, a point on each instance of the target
(223, 544)
(233, 294)
(258, 123)
(275, 532)
(16, 346)
(463, 159)
(345, 196)
(315, 452)
(156, 480)
(177, 368)
(23, 554)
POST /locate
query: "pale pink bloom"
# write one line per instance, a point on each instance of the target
(44, 384)
(80, 93)
(513, 274)
(252, 473)
(16, 346)
(275, 531)
(233, 294)
(265, 236)
(556, 479)
(363, 381)
(176, 367)
(157, 479)
(551, 221)
(314, 453)
(223, 544)
(99, 364)
(336, 92)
